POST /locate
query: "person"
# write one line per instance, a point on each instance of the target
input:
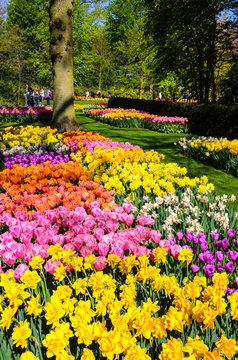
(30, 98)
(25, 96)
(47, 96)
(160, 95)
(99, 93)
(188, 96)
(108, 94)
(36, 96)
(87, 93)
(41, 98)
(92, 94)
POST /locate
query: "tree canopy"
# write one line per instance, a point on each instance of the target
(130, 48)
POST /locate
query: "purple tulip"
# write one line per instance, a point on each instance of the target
(195, 268)
(209, 270)
(201, 257)
(180, 235)
(236, 281)
(232, 255)
(209, 257)
(202, 237)
(229, 291)
(219, 267)
(203, 246)
(231, 233)
(172, 240)
(215, 236)
(230, 267)
(219, 255)
(225, 244)
(218, 244)
(189, 236)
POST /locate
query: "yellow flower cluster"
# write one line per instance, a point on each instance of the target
(119, 114)
(80, 107)
(114, 312)
(129, 170)
(216, 145)
(28, 135)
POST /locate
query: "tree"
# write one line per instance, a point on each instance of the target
(31, 17)
(102, 57)
(186, 35)
(138, 56)
(61, 17)
(133, 48)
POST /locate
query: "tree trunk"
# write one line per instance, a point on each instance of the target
(152, 91)
(61, 23)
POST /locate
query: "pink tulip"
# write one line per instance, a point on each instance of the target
(165, 244)
(175, 250)
(9, 258)
(103, 249)
(100, 263)
(50, 266)
(155, 236)
(20, 270)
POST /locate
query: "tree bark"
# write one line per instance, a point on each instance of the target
(61, 23)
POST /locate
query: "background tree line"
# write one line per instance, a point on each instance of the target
(132, 48)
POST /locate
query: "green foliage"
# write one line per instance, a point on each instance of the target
(171, 86)
(24, 56)
(121, 16)
(189, 40)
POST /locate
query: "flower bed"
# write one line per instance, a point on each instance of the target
(79, 107)
(220, 153)
(90, 98)
(20, 114)
(131, 118)
(113, 255)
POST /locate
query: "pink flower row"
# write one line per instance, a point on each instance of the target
(90, 145)
(167, 119)
(98, 233)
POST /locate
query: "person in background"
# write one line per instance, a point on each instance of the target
(108, 94)
(36, 96)
(42, 94)
(160, 95)
(47, 96)
(99, 94)
(25, 96)
(30, 98)
(87, 93)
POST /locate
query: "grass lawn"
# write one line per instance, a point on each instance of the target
(164, 143)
